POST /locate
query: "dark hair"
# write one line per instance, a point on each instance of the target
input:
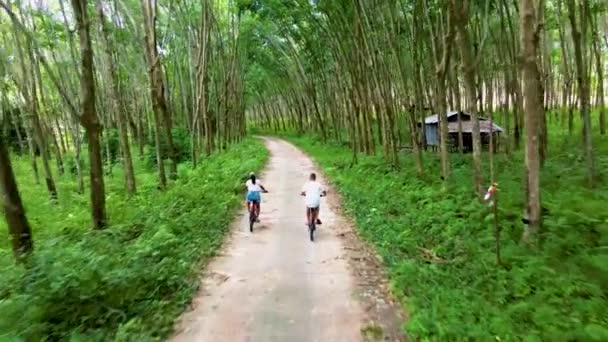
(313, 176)
(252, 177)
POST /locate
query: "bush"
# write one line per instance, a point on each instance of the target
(132, 280)
(181, 143)
(110, 142)
(69, 162)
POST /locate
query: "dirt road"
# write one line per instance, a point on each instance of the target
(276, 285)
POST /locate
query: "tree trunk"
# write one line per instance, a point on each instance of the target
(469, 64)
(458, 108)
(157, 90)
(29, 136)
(579, 39)
(530, 24)
(110, 74)
(18, 226)
(62, 138)
(442, 73)
(75, 129)
(88, 118)
(600, 101)
(202, 78)
(39, 134)
(58, 157)
(14, 120)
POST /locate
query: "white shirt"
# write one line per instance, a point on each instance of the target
(254, 187)
(313, 191)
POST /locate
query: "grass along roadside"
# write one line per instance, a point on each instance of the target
(132, 280)
(438, 246)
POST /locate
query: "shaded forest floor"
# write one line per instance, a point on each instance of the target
(439, 246)
(130, 281)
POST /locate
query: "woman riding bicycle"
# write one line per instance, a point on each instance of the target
(254, 188)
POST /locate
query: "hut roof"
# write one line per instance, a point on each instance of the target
(433, 119)
(467, 127)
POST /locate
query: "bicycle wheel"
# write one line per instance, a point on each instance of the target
(251, 219)
(311, 229)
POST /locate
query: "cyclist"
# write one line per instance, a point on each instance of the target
(254, 187)
(313, 191)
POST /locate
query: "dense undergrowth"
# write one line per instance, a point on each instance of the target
(130, 281)
(439, 247)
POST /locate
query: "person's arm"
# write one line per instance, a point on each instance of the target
(321, 189)
(263, 189)
(303, 192)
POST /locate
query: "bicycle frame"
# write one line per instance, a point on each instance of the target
(254, 207)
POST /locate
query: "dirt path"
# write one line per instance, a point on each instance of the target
(276, 285)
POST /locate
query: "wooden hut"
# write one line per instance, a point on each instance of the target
(486, 129)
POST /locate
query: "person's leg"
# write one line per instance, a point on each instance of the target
(313, 215)
(318, 220)
(257, 213)
(308, 214)
(248, 199)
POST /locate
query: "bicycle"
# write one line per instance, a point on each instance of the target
(254, 208)
(253, 216)
(314, 217)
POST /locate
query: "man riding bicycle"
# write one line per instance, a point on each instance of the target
(313, 191)
(254, 188)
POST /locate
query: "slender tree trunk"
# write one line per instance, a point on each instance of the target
(17, 128)
(469, 64)
(110, 74)
(506, 114)
(156, 82)
(35, 135)
(88, 118)
(29, 136)
(442, 72)
(531, 16)
(14, 120)
(58, 157)
(202, 77)
(458, 104)
(77, 154)
(600, 100)
(582, 76)
(418, 105)
(513, 87)
(18, 225)
(62, 138)
(41, 143)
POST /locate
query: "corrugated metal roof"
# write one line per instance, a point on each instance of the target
(467, 127)
(433, 119)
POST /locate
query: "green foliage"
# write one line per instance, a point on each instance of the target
(181, 143)
(130, 281)
(111, 145)
(69, 162)
(438, 245)
(10, 130)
